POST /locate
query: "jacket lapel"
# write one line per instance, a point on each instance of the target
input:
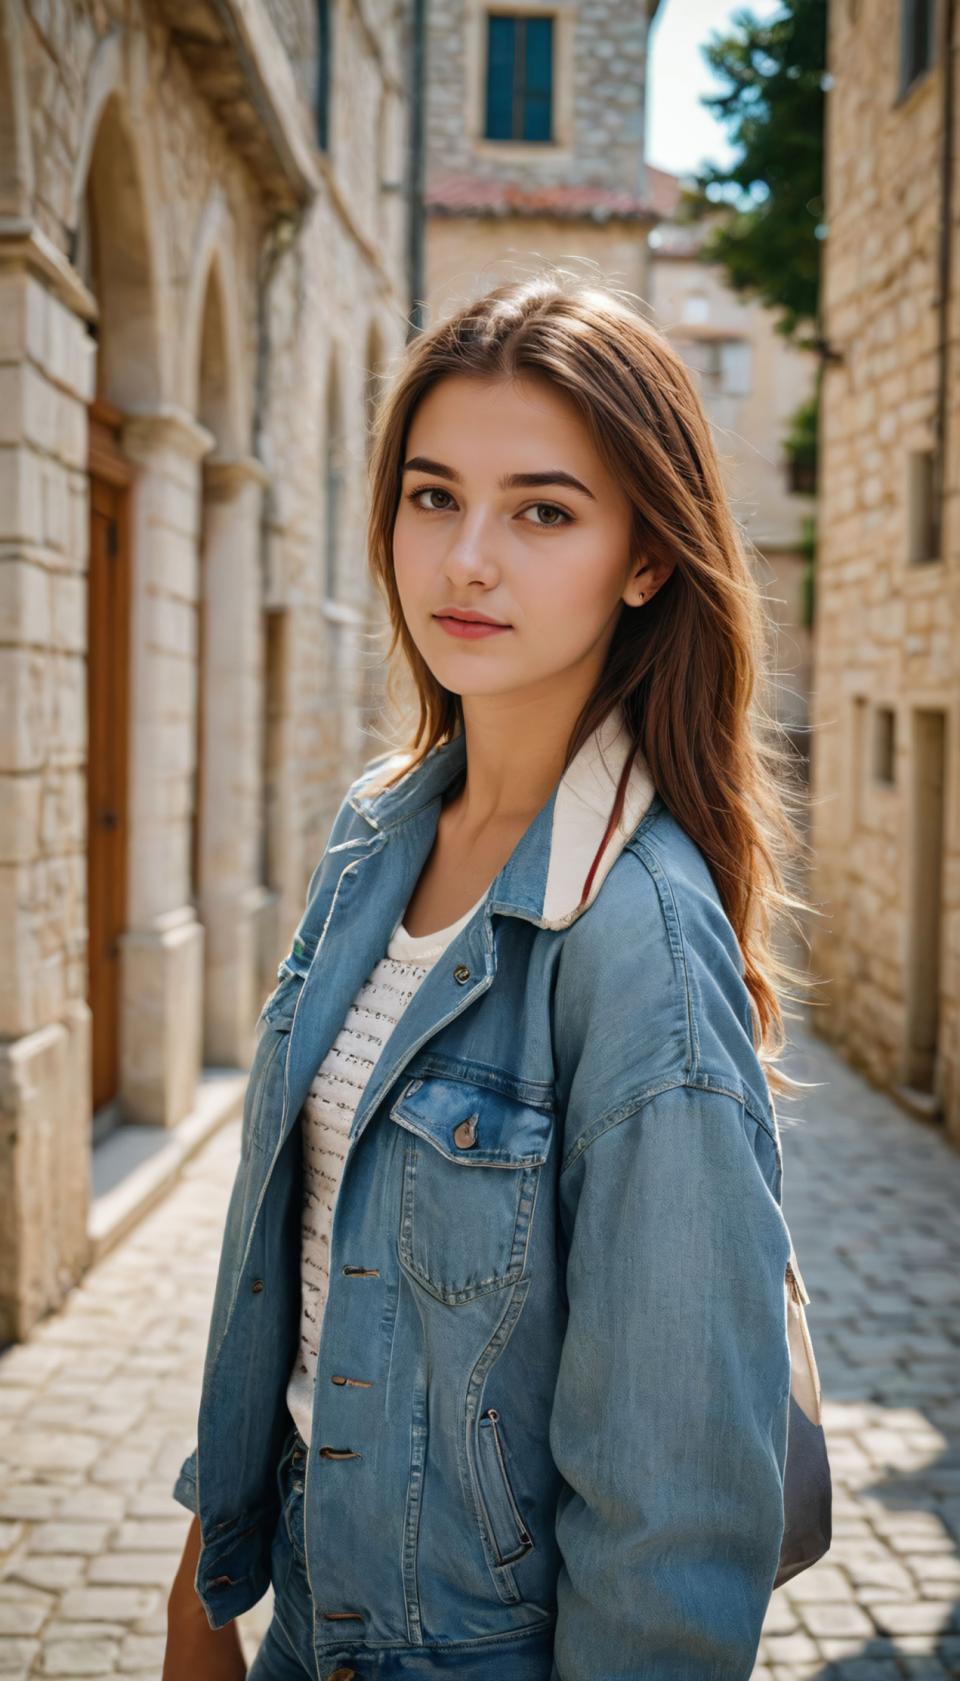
(373, 875)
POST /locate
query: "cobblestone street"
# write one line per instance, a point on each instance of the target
(98, 1410)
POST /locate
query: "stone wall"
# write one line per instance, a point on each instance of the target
(887, 634)
(599, 82)
(468, 254)
(200, 270)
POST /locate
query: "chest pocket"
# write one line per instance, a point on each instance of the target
(471, 1168)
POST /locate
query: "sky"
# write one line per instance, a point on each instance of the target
(682, 133)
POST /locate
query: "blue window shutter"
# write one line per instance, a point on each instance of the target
(538, 79)
(501, 49)
(323, 75)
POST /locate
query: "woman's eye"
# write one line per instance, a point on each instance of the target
(431, 490)
(548, 513)
(556, 516)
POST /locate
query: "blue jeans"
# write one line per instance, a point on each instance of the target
(286, 1651)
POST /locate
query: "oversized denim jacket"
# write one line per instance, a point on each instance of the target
(550, 1415)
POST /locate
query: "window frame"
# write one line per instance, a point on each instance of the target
(911, 74)
(520, 97)
(323, 74)
(560, 148)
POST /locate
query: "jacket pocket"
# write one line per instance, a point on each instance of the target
(471, 1166)
(506, 1528)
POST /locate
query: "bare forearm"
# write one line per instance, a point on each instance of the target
(193, 1647)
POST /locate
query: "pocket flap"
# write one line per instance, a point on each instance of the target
(474, 1124)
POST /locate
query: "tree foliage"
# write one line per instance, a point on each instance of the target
(766, 210)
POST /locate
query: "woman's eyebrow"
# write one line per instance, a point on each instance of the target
(511, 481)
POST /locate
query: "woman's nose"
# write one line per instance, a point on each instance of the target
(472, 551)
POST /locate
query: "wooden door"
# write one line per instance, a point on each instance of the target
(108, 615)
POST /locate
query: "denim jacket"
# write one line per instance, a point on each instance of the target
(550, 1413)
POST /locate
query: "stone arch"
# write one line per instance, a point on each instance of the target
(211, 374)
(16, 151)
(115, 249)
(215, 376)
(225, 825)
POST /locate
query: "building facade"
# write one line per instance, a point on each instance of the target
(203, 272)
(751, 380)
(886, 793)
(535, 142)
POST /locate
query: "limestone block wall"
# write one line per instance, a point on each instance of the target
(45, 382)
(203, 290)
(886, 793)
(467, 255)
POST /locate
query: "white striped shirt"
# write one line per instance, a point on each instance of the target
(326, 1119)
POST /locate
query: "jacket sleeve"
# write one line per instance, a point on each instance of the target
(185, 1487)
(669, 1417)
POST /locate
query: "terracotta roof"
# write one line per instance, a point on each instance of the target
(472, 195)
(663, 190)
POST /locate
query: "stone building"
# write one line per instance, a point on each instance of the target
(886, 790)
(750, 380)
(202, 272)
(535, 141)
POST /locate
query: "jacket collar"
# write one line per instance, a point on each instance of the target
(543, 878)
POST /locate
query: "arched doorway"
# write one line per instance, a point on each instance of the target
(112, 254)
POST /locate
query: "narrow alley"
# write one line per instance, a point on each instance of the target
(97, 1412)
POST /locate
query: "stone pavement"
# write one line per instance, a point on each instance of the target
(98, 1410)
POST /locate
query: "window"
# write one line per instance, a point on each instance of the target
(861, 713)
(916, 40)
(696, 308)
(322, 80)
(735, 367)
(519, 78)
(801, 476)
(923, 525)
(884, 745)
(723, 366)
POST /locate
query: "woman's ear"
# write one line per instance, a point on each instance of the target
(645, 580)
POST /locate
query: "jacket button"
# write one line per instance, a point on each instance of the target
(341, 1675)
(465, 1133)
(257, 1286)
(461, 973)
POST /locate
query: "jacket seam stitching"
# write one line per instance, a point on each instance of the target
(700, 1081)
(664, 889)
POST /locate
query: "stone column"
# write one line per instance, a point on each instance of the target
(161, 984)
(46, 377)
(231, 901)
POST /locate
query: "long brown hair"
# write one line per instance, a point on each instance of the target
(689, 670)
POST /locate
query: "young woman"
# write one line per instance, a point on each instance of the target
(498, 1373)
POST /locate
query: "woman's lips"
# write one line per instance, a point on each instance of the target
(469, 628)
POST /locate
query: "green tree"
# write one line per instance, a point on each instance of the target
(766, 210)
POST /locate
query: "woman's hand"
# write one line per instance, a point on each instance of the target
(194, 1649)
